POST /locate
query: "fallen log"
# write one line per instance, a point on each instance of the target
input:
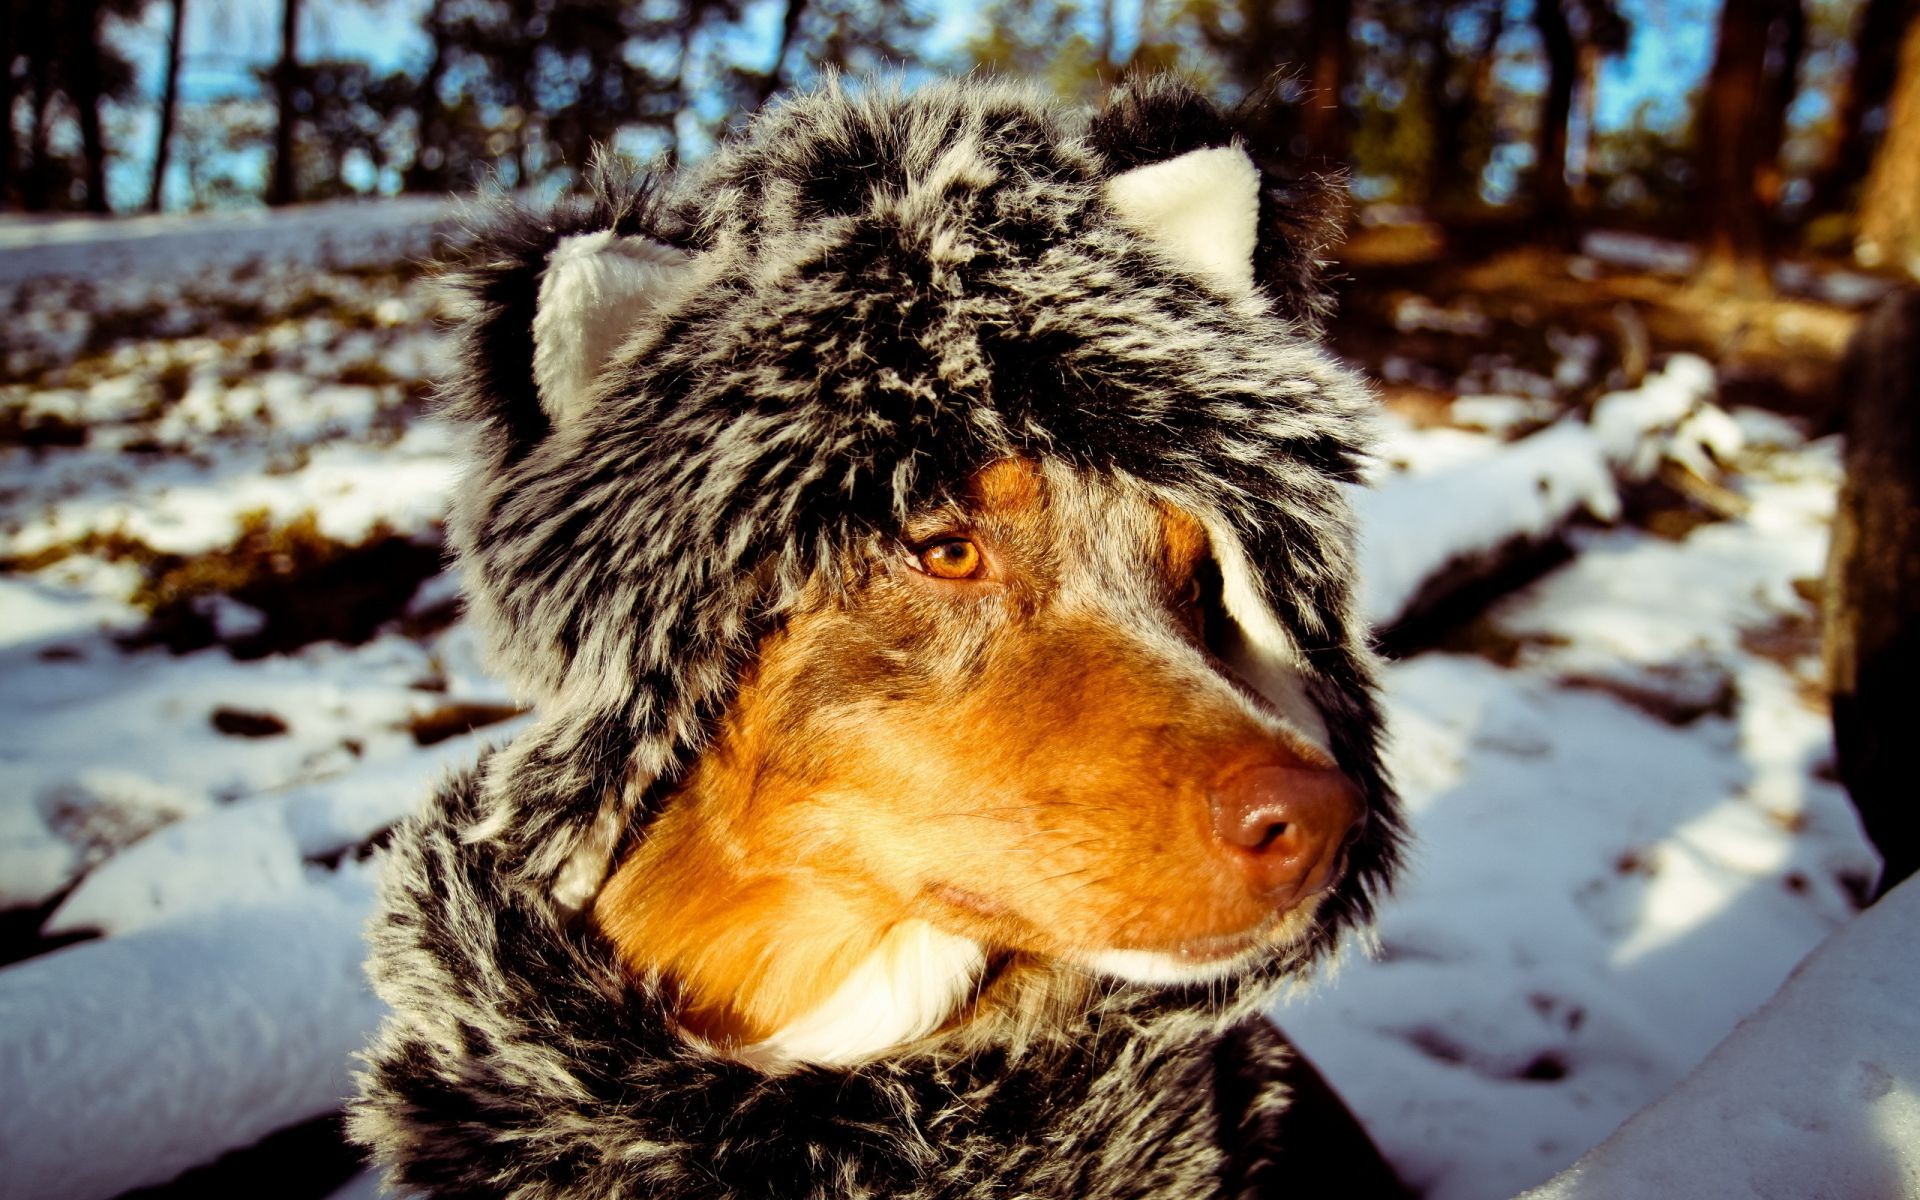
(1475, 529)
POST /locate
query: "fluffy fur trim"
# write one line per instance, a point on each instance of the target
(888, 292)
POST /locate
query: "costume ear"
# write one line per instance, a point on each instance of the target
(1202, 208)
(595, 290)
(1159, 121)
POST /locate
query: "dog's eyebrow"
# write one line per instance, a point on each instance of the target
(1009, 485)
(1183, 541)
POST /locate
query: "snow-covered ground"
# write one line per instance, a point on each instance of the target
(1626, 837)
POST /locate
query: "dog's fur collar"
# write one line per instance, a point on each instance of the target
(524, 1062)
(892, 292)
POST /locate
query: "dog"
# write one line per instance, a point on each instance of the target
(922, 531)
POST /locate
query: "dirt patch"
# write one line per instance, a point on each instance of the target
(247, 723)
(453, 719)
(1780, 353)
(304, 585)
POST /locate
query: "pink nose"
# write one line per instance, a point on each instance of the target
(1283, 824)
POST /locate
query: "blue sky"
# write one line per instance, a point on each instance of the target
(226, 40)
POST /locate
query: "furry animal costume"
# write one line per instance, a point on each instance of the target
(690, 396)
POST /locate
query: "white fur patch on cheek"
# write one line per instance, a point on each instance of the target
(596, 288)
(907, 988)
(1266, 657)
(1202, 208)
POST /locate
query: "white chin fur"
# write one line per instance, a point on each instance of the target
(910, 985)
(1154, 967)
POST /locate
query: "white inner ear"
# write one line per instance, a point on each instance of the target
(596, 288)
(1202, 208)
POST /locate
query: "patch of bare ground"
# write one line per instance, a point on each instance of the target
(1792, 639)
(306, 585)
(1504, 299)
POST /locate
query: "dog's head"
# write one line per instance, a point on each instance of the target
(923, 529)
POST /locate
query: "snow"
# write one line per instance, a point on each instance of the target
(1501, 414)
(131, 1059)
(1624, 833)
(337, 234)
(1598, 893)
(1470, 499)
(1415, 524)
(1639, 251)
(1816, 1094)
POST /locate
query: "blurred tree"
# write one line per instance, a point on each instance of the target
(1871, 634)
(63, 60)
(548, 78)
(525, 89)
(1329, 56)
(169, 105)
(345, 116)
(1045, 40)
(281, 188)
(1737, 118)
(1575, 35)
(1456, 87)
(1786, 47)
(211, 145)
(1863, 97)
(10, 63)
(86, 87)
(427, 172)
(1890, 201)
(1643, 169)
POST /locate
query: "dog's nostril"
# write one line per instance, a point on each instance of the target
(1274, 833)
(1284, 825)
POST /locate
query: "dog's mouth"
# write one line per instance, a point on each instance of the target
(1185, 960)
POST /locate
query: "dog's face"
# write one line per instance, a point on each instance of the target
(1013, 722)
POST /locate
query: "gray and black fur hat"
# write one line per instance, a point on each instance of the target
(689, 397)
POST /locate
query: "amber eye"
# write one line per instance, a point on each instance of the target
(950, 558)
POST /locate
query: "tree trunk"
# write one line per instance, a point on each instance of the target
(1890, 202)
(282, 188)
(85, 94)
(1450, 177)
(1872, 634)
(1322, 115)
(7, 97)
(429, 170)
(1876, 58)
(169, 103)
(38, 188)
(1787, 44)
(1729, 151)
(1552, 203)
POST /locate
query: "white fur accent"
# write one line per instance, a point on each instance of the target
(907, 988)
(595, 288)
(1202, 208)
(1153, 967)
(1267, 657)
(585, 870)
